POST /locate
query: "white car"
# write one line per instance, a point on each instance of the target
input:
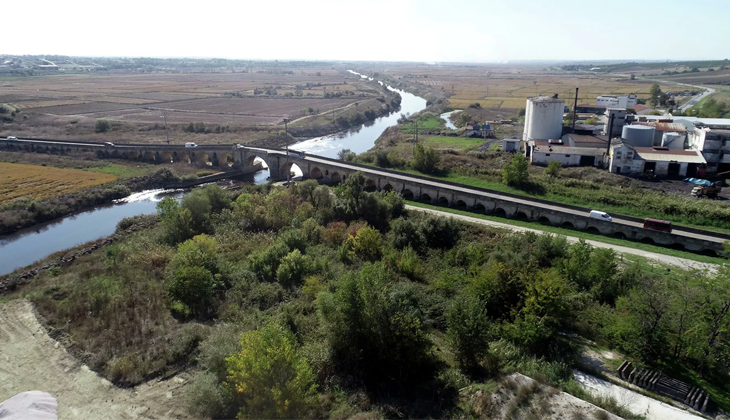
(11, 138)
(595, 214)
(190, 145)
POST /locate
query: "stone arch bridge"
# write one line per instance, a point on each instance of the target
(244, 160)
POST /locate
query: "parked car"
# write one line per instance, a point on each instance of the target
(595, 214)
(190, 144)
(11, 138)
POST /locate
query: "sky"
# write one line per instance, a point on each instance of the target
(372, 30)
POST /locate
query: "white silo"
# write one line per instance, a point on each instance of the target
(673, 140)
(543, 118)
(638, 135)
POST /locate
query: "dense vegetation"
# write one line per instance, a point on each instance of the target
(315, 302)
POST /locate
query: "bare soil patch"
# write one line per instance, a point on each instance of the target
(31, 360)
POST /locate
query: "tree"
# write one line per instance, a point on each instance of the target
(515, 173)
(467, 330)
(268, 378)
(293, 268)
(553, 168)
(101, 126)
(464, 119)
(633, 76)
(373, 327)
(368, 244)
(194, 287)
(425, 159)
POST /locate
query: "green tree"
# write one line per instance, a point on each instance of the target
(269, 379)
(293, 268)
(467, 330)
(102, 126)
(194, 287)
(515, 173)
(425, 159)
(373, 328)
(464, 119)
(368, 244)
(553, 168)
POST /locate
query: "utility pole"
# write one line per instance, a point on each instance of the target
(286, 140)
(164, 115)
(575, 106)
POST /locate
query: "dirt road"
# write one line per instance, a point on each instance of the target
(31, 360)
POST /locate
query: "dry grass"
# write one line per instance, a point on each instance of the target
(18, 180)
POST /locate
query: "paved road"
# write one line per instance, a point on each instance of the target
(697, 98)
(662, 258)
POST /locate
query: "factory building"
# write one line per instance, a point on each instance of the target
(619, 120)
(611, 101)
(543, 118)
(714, 145)
(660, 161)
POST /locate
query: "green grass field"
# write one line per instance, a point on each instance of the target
(457, 143)
(122, 171)
(579, 234)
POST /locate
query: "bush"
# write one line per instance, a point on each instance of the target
(292, 268)
(194, 287)
(268, 378)
(425, 159)
(468, 331)
(515, 172)
(553, 168)
(374, 330)
(101, 126)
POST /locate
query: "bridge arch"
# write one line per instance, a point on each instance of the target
(315, 173)
(291, 169)
(253, 163)
(479, 208)
(335, 177)
(387, 187)
(442, 201)
(370, 185)
(407, 194)
(425, 197)
(500, 212)
(567, 225)
(460, 204)
(520, 215)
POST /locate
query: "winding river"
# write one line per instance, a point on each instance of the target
(29, 245)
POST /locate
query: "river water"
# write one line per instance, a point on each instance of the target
(29, 245)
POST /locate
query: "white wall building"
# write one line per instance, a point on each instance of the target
(543, 118)
(541, 153)
(714, 145)
(612, 101)
(661, 161)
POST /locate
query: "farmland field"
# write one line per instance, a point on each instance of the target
(508, 87)
(19, 180)
(247, 103)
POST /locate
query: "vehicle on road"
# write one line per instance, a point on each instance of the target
(595, 214)
(11, 138)
(660, 225)
(709, 191)
(109, 144)
(190, 145)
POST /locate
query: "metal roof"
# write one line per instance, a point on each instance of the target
(669, 155)
(586, 140)
(567, 150)
(664, 126)
(712, 122)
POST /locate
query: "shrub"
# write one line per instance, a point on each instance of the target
(553, 168)
(101, 126)
(515, 173)
(425, 159)
(268, 378)
(468, 331)
(292, 268)
(194, 287)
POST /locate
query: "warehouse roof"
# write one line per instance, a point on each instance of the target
(665, 126)
(663, 154)
(587, 140)
(581, 151)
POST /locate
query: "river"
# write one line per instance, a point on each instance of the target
(32, 244)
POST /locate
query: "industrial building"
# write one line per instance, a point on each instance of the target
(572, 150)
(543, 118)
(619, 120)
(660, 161)
(662, 127)
(714, 145)
(590, 109)
(611, 101)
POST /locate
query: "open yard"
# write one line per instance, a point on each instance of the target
(19, 180)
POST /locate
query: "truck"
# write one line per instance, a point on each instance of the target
(709, 191)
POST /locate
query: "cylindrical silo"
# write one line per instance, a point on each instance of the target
(673, 140)
(638, 135)
(543, 118)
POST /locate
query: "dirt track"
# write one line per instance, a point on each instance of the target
(31, 360)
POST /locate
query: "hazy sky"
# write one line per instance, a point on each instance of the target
(388, 30)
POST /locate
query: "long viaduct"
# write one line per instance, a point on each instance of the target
(241, 159)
